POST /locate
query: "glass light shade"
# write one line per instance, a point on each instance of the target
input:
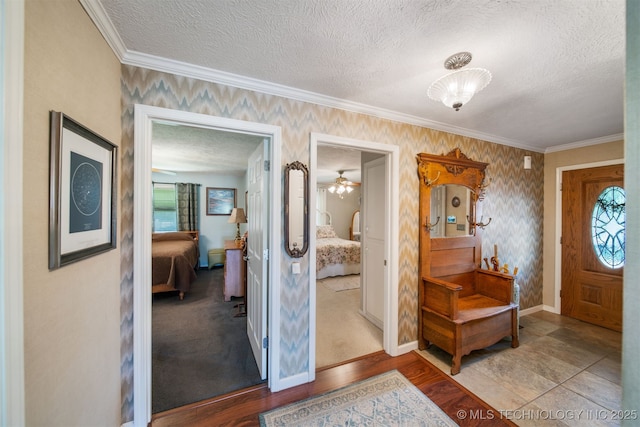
(457, 88)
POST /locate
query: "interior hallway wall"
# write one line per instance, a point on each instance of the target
(72, 314)
(631, 314)
(514, 199)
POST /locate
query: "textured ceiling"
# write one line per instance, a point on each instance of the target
(194, 149)
(557, 65)
(178, 148)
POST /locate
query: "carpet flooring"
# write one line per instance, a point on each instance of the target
(341, 283)
(342, 333)
(199, 349)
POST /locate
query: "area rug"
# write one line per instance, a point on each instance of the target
(388, 399)
(341, 283)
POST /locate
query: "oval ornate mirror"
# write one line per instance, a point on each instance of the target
(296, 211)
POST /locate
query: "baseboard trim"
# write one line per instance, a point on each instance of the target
(551, 309)
(406, 348)
(532, 310)
(294, 380)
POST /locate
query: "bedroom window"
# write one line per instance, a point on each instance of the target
(164, 207)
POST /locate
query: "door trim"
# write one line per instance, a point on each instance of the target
(392, 163)
(12, 386)
(144, 117)
(556, 308)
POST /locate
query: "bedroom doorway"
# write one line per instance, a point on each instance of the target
(145, 116)
(384, 196)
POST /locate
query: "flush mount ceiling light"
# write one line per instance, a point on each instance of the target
(457, 88)
(341, 186)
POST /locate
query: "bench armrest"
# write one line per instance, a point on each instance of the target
(493, 284)
(441, 297)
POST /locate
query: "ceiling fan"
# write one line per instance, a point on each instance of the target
(342, 185)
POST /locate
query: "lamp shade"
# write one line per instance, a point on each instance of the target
(237, 216)
(457, 88)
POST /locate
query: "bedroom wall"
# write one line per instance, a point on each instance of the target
(553, 161)
(514, 198)
(72, 314)
(342, 210)
(214, 229)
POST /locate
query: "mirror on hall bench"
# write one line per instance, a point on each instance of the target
(453, 204)
(453, 185)
(296, 209)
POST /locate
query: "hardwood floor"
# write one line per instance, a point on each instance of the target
(242, 408)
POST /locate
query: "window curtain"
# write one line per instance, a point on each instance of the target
(187, 195)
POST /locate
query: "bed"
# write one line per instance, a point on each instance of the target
(335, 256)
(174, 260)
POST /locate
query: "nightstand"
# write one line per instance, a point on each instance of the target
(234, 270)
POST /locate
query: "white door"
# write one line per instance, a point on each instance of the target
(257, 275)
(373, 232)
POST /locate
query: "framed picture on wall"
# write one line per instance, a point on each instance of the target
(82, 192)
(220, 201)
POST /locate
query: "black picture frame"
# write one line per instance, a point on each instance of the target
(220, 201)
(82, 192)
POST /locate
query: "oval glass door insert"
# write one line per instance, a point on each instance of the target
(608, 227)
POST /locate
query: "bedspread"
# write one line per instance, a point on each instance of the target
(333, 250)
(174, 257)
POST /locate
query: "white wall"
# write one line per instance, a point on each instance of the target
(631, 314)
(342, 210)
(214, 229)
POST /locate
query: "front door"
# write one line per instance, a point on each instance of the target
(593, 220)
(257, 221)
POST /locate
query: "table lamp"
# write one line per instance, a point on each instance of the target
(237, 217)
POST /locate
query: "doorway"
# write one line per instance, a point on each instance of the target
(145, 116)
(557, 282)
(193, 337)
(389, 257)
(593, 236)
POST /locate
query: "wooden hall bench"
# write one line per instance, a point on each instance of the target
(461, 307)
(462, 317)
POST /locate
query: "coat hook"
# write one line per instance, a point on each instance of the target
(430, 182)
(429, 225)
(478, 224)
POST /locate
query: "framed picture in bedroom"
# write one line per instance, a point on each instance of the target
(220, 201)
(82, 192)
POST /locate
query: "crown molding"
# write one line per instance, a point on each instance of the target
(585, 143)
(104, 24)
(184, 69)
(100, 18)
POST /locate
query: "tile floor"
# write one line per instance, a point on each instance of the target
(565, 373)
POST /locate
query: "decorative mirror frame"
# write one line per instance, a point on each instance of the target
(296, 252)
(451, 168)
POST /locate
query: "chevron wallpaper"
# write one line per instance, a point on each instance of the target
(514, 200)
